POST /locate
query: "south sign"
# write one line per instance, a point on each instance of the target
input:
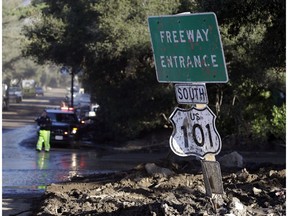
(194, 132)
(191, 93)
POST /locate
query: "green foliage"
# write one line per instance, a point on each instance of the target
(262, 127)
(269, 15)
(14, 66)
(111, 41)
(56, 34)
(11, 54)
(278, 122)
(125, 84)
(254, 45)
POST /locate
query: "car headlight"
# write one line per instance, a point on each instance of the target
(74, 130)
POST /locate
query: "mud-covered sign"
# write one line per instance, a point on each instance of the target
(194, 132)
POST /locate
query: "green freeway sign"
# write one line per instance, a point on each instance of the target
(187, 48)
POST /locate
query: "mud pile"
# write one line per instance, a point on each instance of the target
(169, 189)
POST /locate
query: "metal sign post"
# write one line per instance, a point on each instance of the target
(212, 177)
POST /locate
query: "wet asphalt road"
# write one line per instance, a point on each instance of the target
(26, 172)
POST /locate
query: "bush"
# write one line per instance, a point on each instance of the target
(264, 128)
(278, 122)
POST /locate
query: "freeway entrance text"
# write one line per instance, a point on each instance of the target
(187, 48)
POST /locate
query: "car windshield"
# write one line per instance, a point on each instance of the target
(14, 89)
(63, 117)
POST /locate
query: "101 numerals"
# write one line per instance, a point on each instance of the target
(198, 142)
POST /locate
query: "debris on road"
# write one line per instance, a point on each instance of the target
(168, 189)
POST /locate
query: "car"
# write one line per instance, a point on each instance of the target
(39, 91)
(64, 126)
(15, 94)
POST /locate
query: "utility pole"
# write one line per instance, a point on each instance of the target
(64, 70)
(72, 86)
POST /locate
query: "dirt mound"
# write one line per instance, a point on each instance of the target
(169, 189)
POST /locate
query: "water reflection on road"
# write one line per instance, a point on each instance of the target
(25, 170)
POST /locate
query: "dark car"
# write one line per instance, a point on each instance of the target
(15, 94)
(39, 91)
(64, 126)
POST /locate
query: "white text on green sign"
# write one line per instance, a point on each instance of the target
(187, 48)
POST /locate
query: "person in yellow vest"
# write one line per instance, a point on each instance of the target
(44, 123)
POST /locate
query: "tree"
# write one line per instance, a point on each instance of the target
(110, 41)
(253, 34)
(15, 15)
(59, 33)
(13, 64)
(125, 82)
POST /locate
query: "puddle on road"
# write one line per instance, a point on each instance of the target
(12, 190)
(37, 181)
(26, 171)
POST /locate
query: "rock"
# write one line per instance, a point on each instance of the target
(278, 174)
(155, 170)
(233, 159)
(169, 210)
(272, 172)
(256, 190)
(238, 208)
(243, 175)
